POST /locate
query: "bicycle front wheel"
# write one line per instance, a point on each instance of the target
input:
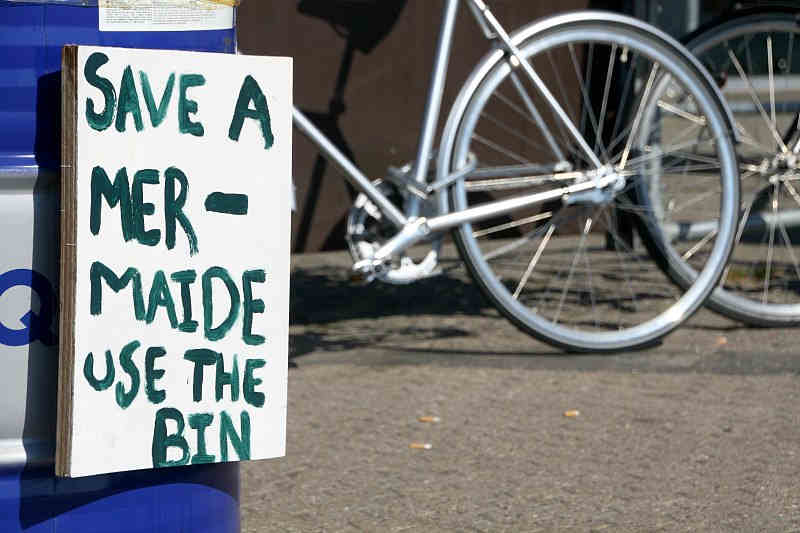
(755, 59)
(570, 272)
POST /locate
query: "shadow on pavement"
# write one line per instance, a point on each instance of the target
(324, 294)
(445, 321)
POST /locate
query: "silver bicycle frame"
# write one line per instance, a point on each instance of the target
(413, 232)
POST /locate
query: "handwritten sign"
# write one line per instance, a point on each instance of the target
(174, 259)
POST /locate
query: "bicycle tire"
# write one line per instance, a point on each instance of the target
(624, 36)
(759, 286)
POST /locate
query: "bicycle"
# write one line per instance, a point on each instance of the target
(528, 202)
(750, 55)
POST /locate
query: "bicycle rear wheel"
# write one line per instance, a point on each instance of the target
(753, 59)
(568, 272)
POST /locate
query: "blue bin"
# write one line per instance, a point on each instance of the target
(193, 498)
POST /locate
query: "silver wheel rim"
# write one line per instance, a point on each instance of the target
(666, 321)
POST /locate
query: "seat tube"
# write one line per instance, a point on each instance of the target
(433, 105)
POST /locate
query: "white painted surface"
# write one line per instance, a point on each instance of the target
(105, 437)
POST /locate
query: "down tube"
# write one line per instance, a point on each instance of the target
(351, 172)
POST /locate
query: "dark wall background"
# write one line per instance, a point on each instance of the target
(386, 90)
(385, 95)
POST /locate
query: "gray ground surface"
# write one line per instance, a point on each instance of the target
(700, 433)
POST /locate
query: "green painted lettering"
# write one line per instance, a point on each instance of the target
(151, 374)
(99, 271)
(128, 102)
(173, 209)
(216, 333)
(118, 193)
(201, 357)
(185, 278)
(124, 398)
(88, 372)
(186, 106)
(162, 441)
(161, 297)
(199, 422)
(99, 121)
(256, 399)
(157, 113)
(251, 92)
(240, 442)
(141, 208)
(230, 379)
(251, 306)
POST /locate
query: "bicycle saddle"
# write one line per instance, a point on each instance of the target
(364, 22)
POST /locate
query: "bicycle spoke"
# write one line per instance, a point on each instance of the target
(748, 139)
(689, 169)
(557, 75)
(638, 117)
(623, 265)
(566, 143)
(757, 102)
(513, 245)
(693, 201)
(590, 287)
(587, 104)
(739, 233)
(609, 75)
(524, 138)
(702, 242)
(534, 260)
(587, 226)
(494, 146)
(700, 121)
(684, 157)
(669, 150)
(508, 129)
(789, 248)
(774, 203)
(771, 83)
(792, 192)
(565, 99)
(626, 91)
(536, 116)
(511, 225)
(686, 132)
(588, 62)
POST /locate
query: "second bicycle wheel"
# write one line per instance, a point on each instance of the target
(570, 271)
(754, 57)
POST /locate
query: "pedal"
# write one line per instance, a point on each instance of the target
(363, 272)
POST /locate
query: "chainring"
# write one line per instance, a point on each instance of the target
(368, 230)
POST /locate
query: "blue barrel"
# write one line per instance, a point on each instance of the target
(203, 498)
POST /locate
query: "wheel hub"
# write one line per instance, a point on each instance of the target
(608, 183)
(780, 168)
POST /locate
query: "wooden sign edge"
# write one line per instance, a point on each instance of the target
(68, 259)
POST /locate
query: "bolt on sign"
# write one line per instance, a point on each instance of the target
(174, 258)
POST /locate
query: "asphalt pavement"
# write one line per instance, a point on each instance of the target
(700, 433)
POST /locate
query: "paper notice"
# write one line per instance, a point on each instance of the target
(164, 15)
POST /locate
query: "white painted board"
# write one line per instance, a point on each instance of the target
(200, 219)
